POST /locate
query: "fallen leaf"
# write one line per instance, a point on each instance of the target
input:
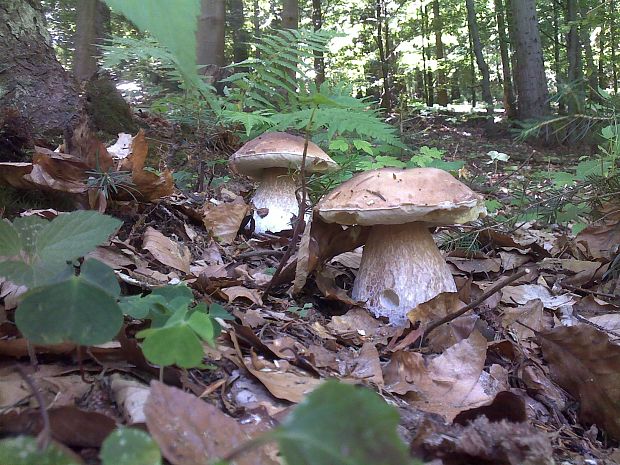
(468, 265)
(167, 251)
(531, 314)
(130, 396)
(367, 366)
(236, 292)
(190, 431)
(585, 363)
(359, 326)
(526, 292)
(600, 240)
(224, 220)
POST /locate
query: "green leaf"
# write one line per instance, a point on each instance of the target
(70, 311)
(28, 228)
(173, 24)
(174, 345)
(217, 311)
(578, 227)
(492, 205)
(202, 324)
(129, 446)
(364, 146)
(173, 292)
(23, 450)
(446, 165)
(100, 275)
(561, 178)
(341, 424)
(73, 235)
(10, 243)
(339, 144)
(139, 307)
(36, 275)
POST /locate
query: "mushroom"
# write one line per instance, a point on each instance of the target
(274, 158)
(401, 266)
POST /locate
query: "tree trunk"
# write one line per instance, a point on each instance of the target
(290, 14)
(612, 44)
(509, 95)
(592, 70)
(426, 56)
(319, 59)
(93, 21)
(240, 36)
(33, 84)
(386, 97)
(556, 55)
(512, 40)
(531, 80)
(573, 51)
(472, 71)
(482, 64)
(442, 92)
(210, 34)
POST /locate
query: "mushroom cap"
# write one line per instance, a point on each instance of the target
(279, 150)
(395, 196)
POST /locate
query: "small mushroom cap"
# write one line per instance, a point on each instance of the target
(279, 150)
(394, 196)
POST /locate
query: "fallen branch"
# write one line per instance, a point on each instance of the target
(45, 436)
(492, 290)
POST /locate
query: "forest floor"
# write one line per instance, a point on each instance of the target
(498, 384)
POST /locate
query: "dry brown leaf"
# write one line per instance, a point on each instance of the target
(526, 292)
(568, 264)
(167, 251)
(600, 240)
(583, 361)
(359, 326)
(530, 314)
(468, 265)
(190, 431)
(609, 322)
(438, 307)
(368, 366)
(14, 174)
(236, 292)
(224, 220)
(447, 384)
(349, 259)
(513, 260)
(130, 396)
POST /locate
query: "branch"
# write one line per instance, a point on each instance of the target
(492, 290)
(45, 436)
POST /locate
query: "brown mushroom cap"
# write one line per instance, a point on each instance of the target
(279, 150)
(394, 196)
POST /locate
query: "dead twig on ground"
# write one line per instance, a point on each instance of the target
(45, 436)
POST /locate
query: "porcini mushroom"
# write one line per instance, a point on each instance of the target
(401, 265)
(274, 158)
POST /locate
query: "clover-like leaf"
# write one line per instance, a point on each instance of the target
(202, 324)
(23, 450)
(73, 310)
(10, 243)
(101, 275)
(172, 345)
(129, 446)
(73, 235)
(341, 424)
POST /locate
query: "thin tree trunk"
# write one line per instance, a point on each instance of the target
(430, 93)
(290, 14)
(210, 35)
(573, 50)
(442, 92)
(512, 44)
(386, 100)
(239, 34)
(33, 84)
(509, 95)
(592, 71)
(472, 70)
(531, 80)
(319, 59)
(92, 26)
(612, 44)
(482, 64)
(256, 24)
(556, 55)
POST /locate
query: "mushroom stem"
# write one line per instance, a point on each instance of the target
(276, 193)
(401, 268)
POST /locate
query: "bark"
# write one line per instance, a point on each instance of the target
(211, 33)
(512, 42)
(290, 14)
(386, 97)
(239, 34)
(587, 47)
(256, 25)
(319, 59)
(612, 44)
(442, 92)
(93, 22)
(472, 71)
(426, 55)
(509, 95)
(556, 54)
(531, 80)
(33, 84)
(482, 64)
(573, 51)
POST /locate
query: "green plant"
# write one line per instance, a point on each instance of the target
(302, 311)
(110, 181)
(130, 446)
(177, 326)
(66, 300)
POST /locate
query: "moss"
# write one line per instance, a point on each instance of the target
(108, 111)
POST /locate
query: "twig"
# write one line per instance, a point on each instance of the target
(300, 216)
(492, 290)
(600, 328)
(504, 178)
(45, 436)
(258, 253)
(588, 291)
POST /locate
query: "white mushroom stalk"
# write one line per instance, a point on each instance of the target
(275, 194)
(401, 268)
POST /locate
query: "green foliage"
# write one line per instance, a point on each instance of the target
(60, 305)
(129, 446)
(302, 311)
(177, 329)
(23, 450)
(110, 182)
(341, 424)
(173, 24)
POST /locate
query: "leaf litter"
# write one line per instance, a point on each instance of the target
(529, 375)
